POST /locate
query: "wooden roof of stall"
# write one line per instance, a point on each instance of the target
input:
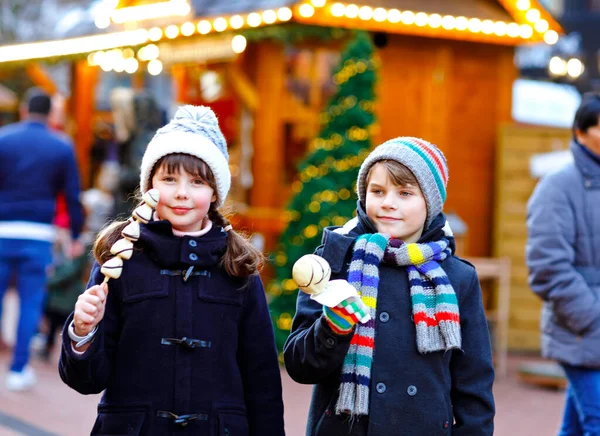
(494, 16)
(221, 7)
(482, 9)
(496, 21)
(504, 22)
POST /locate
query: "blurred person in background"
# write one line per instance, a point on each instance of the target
(99, 201)
(65, 283)
(563, 256)
(36, 165)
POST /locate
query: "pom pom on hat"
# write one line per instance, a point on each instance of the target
(194, 130)
(423, 159)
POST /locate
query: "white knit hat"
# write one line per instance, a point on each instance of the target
(194, 130)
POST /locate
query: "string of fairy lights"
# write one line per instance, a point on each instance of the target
(347, 11)
(525, 31)
(535, 26)
(127, 60)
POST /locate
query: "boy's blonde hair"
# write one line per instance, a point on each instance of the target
(400, 174)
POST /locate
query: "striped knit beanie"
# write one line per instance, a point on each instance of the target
(424, 160)
(194, 130)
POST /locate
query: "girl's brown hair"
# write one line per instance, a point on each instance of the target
(400, 174)
(241, 259)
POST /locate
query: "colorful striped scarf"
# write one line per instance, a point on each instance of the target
(434, 307)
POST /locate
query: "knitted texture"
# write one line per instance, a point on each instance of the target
(194, 130)
(363, 274)
(339, 321)
(434, 307)
(434, 303)
(424, 160)
(345, 315)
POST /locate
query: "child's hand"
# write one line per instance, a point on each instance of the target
(89, 309)
(356, 309)
(345, 315)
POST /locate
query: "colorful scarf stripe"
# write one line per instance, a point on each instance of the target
(434, 307)
(340, 323)
(363, 274)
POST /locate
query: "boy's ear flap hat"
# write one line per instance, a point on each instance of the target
(424, 160)
(194, 130)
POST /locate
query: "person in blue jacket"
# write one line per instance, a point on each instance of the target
(563, 256)
(182, 342)
(36, 166)
(422, 364)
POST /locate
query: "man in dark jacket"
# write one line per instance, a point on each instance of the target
(563, 221)
(35, 166)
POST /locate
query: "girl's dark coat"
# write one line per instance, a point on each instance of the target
(411, 393)
(178, 357)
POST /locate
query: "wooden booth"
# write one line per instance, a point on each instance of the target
(446, 75)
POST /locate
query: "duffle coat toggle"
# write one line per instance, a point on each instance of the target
(186, 342)
(182, 420)
(185, 273)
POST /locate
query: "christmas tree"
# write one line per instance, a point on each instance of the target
(324, 193)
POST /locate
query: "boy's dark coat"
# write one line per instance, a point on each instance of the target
(228, 376)
(411, 393)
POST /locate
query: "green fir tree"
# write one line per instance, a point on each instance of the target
(325, 189)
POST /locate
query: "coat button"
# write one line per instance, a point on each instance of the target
(381, 387)
(330, 342)
(412, 390)
(193, 256)
(588, 183)
(384, 317)
(192, 243)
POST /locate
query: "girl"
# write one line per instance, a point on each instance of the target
(181, 342)
(422, 364)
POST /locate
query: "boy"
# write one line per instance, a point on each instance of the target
(422, 365)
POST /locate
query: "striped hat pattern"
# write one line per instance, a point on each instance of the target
(423, 159)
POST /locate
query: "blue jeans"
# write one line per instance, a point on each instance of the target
(582, 408)
(28, 260)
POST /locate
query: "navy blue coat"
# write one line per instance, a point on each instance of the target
(193, 357)
(36, 164)
(411, 393)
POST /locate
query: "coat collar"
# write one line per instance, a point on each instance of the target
(587, 165)
(35, 123)
(338, 241)
(171, 251)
